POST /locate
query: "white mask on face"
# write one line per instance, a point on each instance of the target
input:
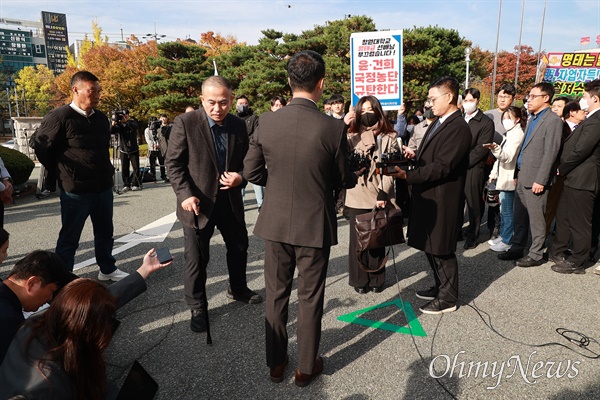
(420, 117)
(583, 103)
(469, 106)
(508, 124)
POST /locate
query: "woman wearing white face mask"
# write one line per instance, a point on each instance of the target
(503, 173)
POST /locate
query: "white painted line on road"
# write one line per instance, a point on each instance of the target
(154, 232)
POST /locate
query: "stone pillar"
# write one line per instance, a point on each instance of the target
(24, 128)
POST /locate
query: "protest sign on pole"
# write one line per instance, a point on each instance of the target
(376, 67)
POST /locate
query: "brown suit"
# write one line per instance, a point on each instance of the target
(192, 163)
(305, 152)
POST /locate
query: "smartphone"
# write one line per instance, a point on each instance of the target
(164, 255)
(489, 145)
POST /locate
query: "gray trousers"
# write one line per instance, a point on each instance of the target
(529, 210)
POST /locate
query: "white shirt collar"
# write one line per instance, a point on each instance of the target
(445, 117)
(80, 111)
(592, 112)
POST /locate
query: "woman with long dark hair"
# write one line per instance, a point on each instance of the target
(370, 134)
(59, 354)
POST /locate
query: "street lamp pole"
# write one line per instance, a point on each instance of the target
(468, 52)
(156, 36)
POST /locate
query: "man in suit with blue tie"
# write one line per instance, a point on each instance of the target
(536, 165)
(580, 166)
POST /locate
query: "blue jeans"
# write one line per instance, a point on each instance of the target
(507, 199)
(74, 210)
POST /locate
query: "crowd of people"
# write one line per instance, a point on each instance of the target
(537, 167)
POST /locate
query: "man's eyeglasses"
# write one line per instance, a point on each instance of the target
(432, 100)
(534, 96)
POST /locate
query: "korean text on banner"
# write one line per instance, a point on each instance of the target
(376, 67)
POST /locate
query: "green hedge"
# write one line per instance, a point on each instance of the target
(19, 166)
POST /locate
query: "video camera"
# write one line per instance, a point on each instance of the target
(154, 124)
(358, 160)
(118, 115)
(388, 161)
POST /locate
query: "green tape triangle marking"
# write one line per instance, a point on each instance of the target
(414, 326)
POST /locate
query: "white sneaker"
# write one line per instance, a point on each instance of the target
(494, 241)
(135, 188)
(500, 247)
(114, 276)
(597, 270)
(126, 189)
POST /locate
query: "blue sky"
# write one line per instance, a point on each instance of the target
(565, 23)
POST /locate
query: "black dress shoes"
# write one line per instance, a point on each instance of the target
(378, 289)
(510, 255)
(198, 322)
(361, 290)
(555, 258)
(428, 294)
(527, 261)
(276, 374)
(245, 296)
(437, 306)
(470, 244)
(302, 380)
(567, 267)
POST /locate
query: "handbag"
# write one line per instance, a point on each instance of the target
(379, 228)
(376, 229)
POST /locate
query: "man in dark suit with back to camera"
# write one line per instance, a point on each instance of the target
(205, 159)
(580, 166)
(305, 151)
(438, 184)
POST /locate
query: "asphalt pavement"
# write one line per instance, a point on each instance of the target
(502, 342)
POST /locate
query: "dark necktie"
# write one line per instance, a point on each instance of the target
(575, 127)
(431, 131)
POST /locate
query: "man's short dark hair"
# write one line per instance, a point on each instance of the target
(450, 84)
(305, 69)
(46, 265)
(546, 88)
(570, 106)
(326, 101)
(508, 88)
(83, 76)
(216, 81)
(593, 87)
(163, 115)
(473, 92)
(336, 98)
(561, 98)
(242, 96)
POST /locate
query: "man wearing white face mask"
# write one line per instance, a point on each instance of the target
(482, 132)
(580, 165)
